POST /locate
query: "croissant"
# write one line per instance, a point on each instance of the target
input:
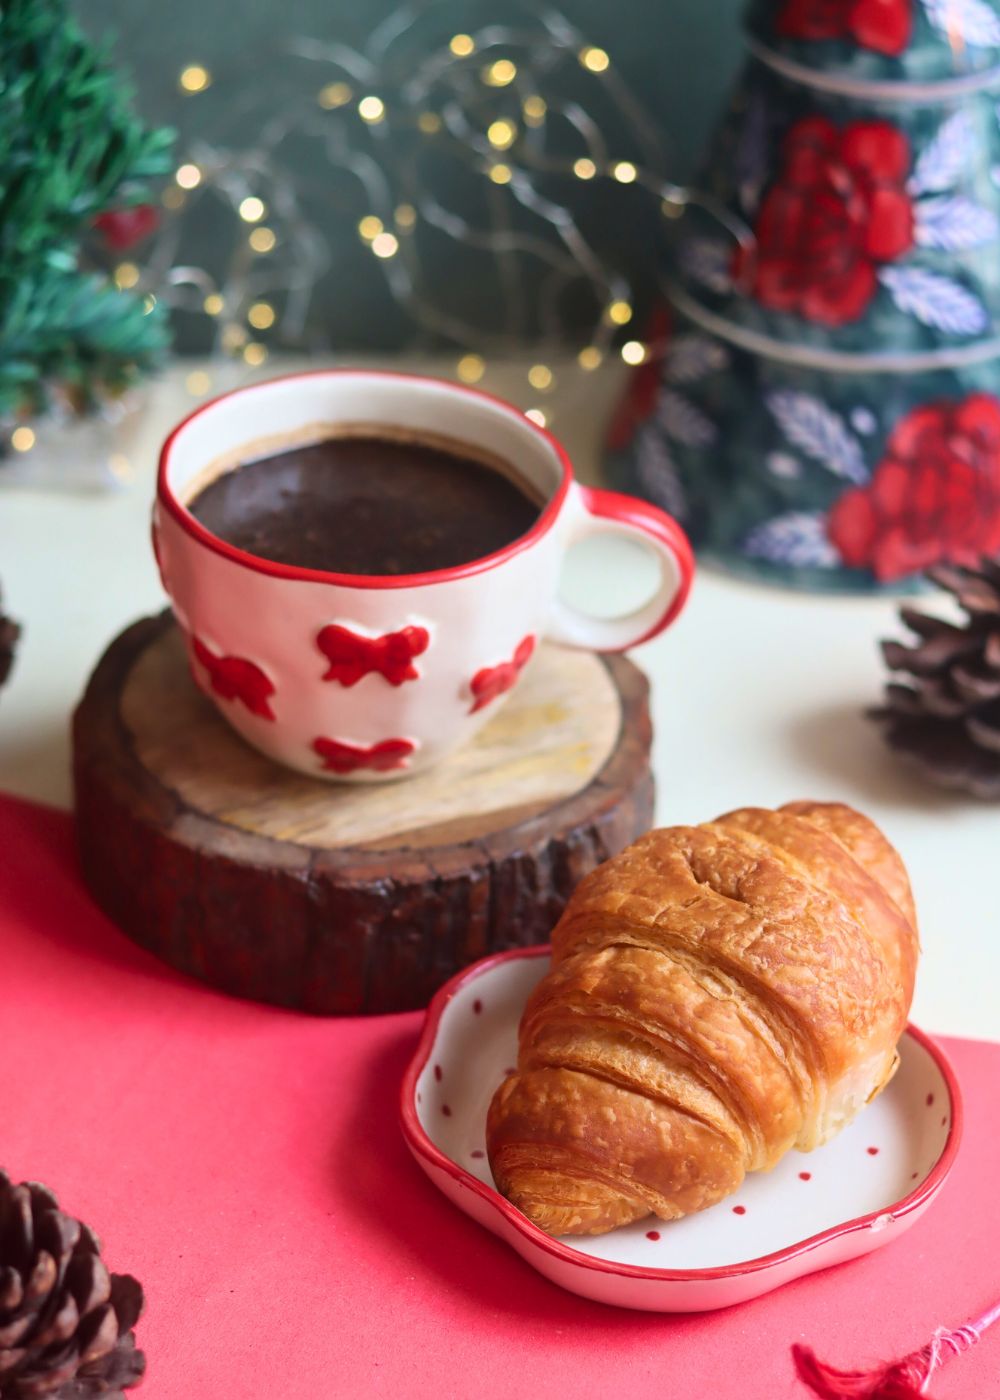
(718, 994)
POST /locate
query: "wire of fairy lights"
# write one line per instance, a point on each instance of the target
(486, 98)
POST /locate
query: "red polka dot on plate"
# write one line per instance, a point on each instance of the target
(944, 1120)
(420, 1098)
(652, 1234)
(477, 1006)
(437, 1073)
(930, 1100)
(477, 1154)
(872, 1151)
(914, 1175)
(739, 1210)
(510, 1070)
(805, 1176)
(446, 1110)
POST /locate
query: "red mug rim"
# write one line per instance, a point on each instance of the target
(199, 533)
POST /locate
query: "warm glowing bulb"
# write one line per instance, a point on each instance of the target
(255, 354)
(462, 45)
(619, 313)
(594, 60)
(334, 95)
(233, 337)
(633, 352)
(500, 73)
(536, 415)
(534, 109)
(252, 209)
(589, 357)
(262, 240)
(540, 377)
(213, 304)
(188, 176)
(261, 315)
(429, 123)
(471, 368)
(126, 275)
(501, 134)
(372, 108)
(500, 173)
(385, 245)
(120, 466)
(198, 383)
(405, 216)
(194, 78)
(370, 227)
(624, 172)
(22, 439)
(584, 168)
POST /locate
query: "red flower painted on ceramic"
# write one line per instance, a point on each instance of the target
(123, 228)
(881, 25)
(352, 656)
(234, 678)
(492, 681)
(348, 758)
(837, 210)
(933, 498)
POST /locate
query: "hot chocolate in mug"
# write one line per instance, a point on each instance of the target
(371, 677)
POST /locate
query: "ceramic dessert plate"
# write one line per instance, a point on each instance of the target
(860, 1191)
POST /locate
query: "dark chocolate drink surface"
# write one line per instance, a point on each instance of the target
(367, 505)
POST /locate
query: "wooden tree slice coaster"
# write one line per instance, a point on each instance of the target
(337, 898)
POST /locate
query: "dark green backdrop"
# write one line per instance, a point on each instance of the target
(678, 57)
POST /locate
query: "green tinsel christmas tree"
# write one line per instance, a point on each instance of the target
(72, 155)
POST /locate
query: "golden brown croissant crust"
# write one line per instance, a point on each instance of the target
(718, 994)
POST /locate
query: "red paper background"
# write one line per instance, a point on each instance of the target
(246, 1164)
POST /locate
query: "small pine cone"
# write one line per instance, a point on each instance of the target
(9, 633)
(947, 716)
(65, 1322)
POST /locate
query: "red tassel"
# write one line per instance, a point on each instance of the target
(907, 1379)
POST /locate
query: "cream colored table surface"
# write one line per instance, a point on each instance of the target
(757, 694)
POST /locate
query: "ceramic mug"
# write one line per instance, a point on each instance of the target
(369, 678)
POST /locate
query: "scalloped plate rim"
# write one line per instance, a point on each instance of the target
(430, 1156)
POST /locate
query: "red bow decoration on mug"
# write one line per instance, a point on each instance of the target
(352, 656)
(347, 758)
(492, 681)
(235, 678)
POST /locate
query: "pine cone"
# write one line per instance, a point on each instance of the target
(64, 1320)
(947, 718)
(9, 633)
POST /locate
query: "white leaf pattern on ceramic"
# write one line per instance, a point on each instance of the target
(820, 432)
(708, 261)
(943, 159)
(797, 539)
(691, 357)
(972, 22)
(953, 222)
(784, 465)
(682, 421)
(657, 473)
(935, 300)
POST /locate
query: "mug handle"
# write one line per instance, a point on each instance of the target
(600, 512)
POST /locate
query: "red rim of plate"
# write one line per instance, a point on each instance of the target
(421, 1144)
(197, 531)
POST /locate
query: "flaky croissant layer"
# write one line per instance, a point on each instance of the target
(718, 994)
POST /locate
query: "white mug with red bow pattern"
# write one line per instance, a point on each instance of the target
(374, 677)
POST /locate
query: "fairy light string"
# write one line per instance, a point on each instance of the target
(380, 116)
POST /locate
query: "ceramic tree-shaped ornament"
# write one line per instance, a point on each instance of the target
(827, 412)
